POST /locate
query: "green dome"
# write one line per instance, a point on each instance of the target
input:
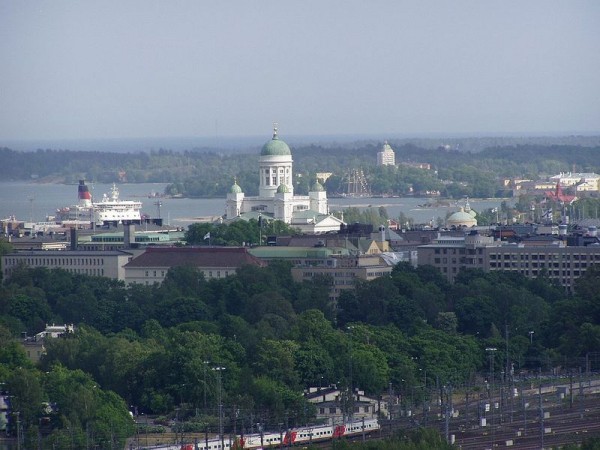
(283, 189)
(461, 218)
(275, 147)
(317, 187)
(235, 189)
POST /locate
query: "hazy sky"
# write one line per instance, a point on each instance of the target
(96, 69)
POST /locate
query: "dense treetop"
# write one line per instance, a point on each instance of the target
(154, 347)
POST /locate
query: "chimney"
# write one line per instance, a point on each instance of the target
(128, 234)
(74, 236)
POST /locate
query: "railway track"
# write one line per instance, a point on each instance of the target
(515, 429)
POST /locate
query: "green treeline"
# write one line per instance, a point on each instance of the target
(155, 347)
(208, 174)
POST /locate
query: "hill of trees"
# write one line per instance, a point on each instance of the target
(192, 173)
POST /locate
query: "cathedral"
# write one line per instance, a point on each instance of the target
(276, 199)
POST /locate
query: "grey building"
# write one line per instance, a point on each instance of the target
(534, 257)
(95, 263)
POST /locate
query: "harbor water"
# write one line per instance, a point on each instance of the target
(34, 202)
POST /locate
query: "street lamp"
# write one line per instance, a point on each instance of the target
(219, 370)
(531, 337)
(206, 363)
(351, 387)
(490, 351)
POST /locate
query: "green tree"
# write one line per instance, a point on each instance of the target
(85, 410)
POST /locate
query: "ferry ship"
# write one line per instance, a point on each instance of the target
(109, 210)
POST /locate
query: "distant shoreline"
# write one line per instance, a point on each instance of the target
(241, 144)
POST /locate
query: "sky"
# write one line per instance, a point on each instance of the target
(130, 69)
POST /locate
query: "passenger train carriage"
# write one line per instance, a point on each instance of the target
(294, 436)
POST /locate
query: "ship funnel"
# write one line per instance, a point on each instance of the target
(85, 198)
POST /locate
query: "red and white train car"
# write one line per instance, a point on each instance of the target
(294, 436)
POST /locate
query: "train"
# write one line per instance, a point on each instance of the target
(292, 437)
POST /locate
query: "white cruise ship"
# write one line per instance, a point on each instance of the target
(109, 210)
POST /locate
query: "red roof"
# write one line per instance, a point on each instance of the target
(559, 196)
(225, 257)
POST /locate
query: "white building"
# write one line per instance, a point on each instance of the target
(581, 181)
(276, 199)
(329, 403)
(386, 157)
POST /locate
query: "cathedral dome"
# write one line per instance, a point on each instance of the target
(235, 189)
(275, 147)
(283, 189)
(317, 187)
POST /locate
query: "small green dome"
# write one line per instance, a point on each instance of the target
(235, 189)
(275, 147)
(283, 189)
(461, 218)
(317, 187)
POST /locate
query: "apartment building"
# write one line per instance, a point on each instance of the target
(345, 271)
(543, 255)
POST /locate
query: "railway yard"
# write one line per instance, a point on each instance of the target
(547, 415)
(527, 414)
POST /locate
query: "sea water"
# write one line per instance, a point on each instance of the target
(34, 202)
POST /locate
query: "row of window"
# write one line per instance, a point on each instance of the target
(454, 260)
(541, 265)
(96, 271)
(565, 272)
(275, 183)
(334, 409)
(335, 274)
(273, 170)
(207, 273)
(58, 261)
(343, 282)
(376, 274)
(544, 257)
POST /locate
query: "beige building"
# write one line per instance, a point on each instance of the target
(214, 262)
(34, 345)
(345, 271)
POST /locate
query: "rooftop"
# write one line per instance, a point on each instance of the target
(195, 256)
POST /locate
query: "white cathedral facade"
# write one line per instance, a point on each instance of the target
(276, 199)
